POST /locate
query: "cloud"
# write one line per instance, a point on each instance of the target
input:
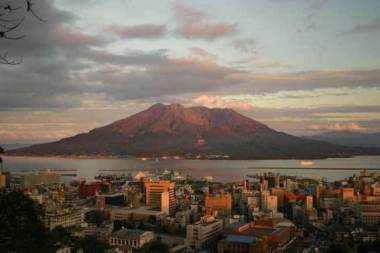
(370, 27)
(316, 114)
(246, 46)
(62, 65)
(316, 6)
(222, 102)
(145, 31)
(338, 127)
(203, 54)
(308, 80)
(271, 65)
(206, 31)
(188, 14)
(193, 24)
(174, 76)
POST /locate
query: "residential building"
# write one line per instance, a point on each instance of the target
(66, 219)
(202, 232)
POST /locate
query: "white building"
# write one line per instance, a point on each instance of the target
(202, 232)
(131, 237)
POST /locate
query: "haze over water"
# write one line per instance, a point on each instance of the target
(220, 170)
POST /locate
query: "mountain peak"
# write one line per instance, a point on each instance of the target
(173, 129)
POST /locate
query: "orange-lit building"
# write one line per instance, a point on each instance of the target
(347, 194)
(160, 194)
(266, 230)
(222, 203)
(88, 190)
(279, 192)
(309, 202)
(289, 196)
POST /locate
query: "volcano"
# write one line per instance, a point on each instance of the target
(193, 132)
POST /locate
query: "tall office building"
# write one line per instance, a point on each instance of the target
(221, 203)
(264, 199)
(309, 202)
(160, 194)
(347, 194)
(271, 204)
(4, 176)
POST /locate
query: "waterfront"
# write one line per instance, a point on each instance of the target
(220, 170)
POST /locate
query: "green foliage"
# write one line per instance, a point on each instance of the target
(60, 235)
(90, 244)
(154, 247)
(368, 247)
(167, 229)
(130, 223)
(338, 248)
(21, 228)
(95, 216)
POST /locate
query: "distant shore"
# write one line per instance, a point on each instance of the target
(171, 158)
(308, 168)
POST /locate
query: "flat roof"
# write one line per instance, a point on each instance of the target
(128, 233)
(140, 210)
(240, 238)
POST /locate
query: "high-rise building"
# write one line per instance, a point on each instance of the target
(318, 193)
(222, 203)
(309, 202)
(347, 194)
(277, 181)
(264, 199)
(160, 194)
(289, 184)
(264, 185)
(279, 192)
(4, 179)
(271, 204)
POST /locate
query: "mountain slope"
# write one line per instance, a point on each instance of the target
(347, 138)
(168, 130)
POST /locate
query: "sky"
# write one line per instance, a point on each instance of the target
(301, 67)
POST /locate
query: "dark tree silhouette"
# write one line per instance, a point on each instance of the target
(21, 228)
(95, 216)
(1, 159)
(12, 16)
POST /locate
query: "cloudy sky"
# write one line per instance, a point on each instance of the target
(299, 66)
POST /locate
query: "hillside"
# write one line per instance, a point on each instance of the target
(174, 130)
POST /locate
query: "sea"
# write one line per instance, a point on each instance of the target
(331, 169)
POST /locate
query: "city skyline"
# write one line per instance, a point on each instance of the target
(301, 67)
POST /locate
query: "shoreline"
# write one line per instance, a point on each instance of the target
(308, 168)
(178, 159)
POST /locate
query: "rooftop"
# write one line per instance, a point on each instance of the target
(129, 233)
(240, 238)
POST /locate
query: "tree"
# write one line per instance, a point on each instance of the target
(91, 244)
(154, 247)
(12, 16)
(95, 216)
(21, 228)
(1, 159)
(338, 248)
